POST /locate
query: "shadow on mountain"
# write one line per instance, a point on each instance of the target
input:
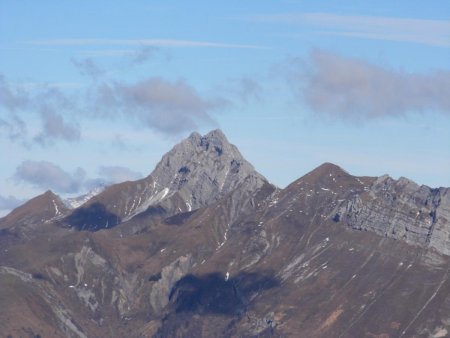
(195, 297)
(92, 218)
(179, 219)
(212, 293)
(152, 212)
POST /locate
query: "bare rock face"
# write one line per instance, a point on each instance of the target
(159, 296)
(195, 173)
(403, 210)
(204, 169)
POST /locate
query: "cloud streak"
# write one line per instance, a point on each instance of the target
(357, 90)
(140, 42)
(422, 31)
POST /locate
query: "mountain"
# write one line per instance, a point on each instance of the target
(195, 173)
(330, 255)
(42, 209)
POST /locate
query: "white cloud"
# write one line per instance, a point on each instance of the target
(423, 31)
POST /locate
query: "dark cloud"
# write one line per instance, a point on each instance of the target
(355, 89)
(117, 174)
(168, 107)
(88, 68)
(46, 175)
(9, 202)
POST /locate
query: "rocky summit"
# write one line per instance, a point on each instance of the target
(195, 173)
(205, 246)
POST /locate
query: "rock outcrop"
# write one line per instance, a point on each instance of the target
(403, 210)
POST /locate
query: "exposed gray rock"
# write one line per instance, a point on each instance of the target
(401, 209)
(204, 169)
(159, 296)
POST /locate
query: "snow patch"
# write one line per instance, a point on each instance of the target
(75, 202)
(56, 208)
(154, 199)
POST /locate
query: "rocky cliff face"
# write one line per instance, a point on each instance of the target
(403, 210)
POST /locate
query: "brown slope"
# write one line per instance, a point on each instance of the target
(30, 218)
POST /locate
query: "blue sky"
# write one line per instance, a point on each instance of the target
(97, 91)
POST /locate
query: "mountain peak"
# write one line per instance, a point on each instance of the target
(42, 207)
(216, 134)
(194, 136)
(207, 162)
(327, 169)
(196, 172)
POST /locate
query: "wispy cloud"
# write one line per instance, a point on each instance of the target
(140, 42)
(88, 67)
(55, 126)
(110, 52)
(243, 89)
(9, 202)
(117, 174)
(423, 31)
(165, 106)
(46, 175)
(354, 89)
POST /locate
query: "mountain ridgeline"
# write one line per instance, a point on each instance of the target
(205, 246)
